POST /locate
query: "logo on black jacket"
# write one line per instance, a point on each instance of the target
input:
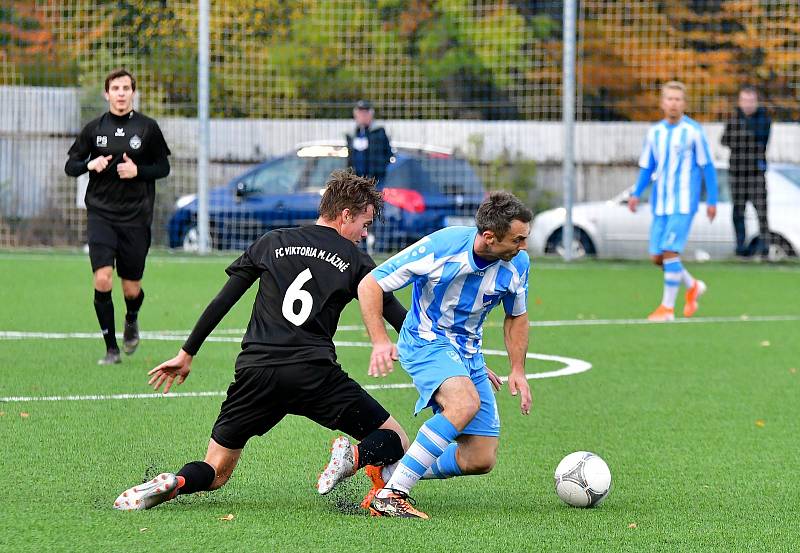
(135, 142)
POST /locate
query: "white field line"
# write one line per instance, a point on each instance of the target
(219, 335)
(571, 366)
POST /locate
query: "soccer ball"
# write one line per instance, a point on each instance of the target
(582, 479)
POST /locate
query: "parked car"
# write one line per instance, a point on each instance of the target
(608, 229)
(426, 188)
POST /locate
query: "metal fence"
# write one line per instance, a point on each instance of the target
(469, 92)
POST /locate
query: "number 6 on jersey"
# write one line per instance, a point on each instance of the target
(295, 293)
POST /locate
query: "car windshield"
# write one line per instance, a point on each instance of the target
(791, 173)
(320, 168)
(279, 177)
(445, 175)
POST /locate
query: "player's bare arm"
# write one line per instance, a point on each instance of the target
(515, 333)
(384, 352)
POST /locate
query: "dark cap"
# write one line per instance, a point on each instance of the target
(363, 104)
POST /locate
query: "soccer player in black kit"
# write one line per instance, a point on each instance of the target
(287, 365)
(125, 153)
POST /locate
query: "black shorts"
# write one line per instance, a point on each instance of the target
(126, 244)
(259, 397)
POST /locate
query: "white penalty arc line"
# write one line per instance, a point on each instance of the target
(571, 366)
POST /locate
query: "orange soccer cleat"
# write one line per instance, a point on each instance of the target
(692, 295)
(661, 314)
(395, 504)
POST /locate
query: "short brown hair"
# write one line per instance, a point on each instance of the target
(117, 73)
(346, 190)
(498, 210)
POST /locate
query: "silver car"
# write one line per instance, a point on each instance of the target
(609, 230)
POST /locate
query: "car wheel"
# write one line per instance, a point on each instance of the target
(779, 248)
(582, 245)
(191, 240)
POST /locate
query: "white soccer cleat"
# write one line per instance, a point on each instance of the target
(146, 496)
(342, 465)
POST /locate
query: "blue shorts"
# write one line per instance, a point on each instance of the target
(431, 363)
(669, 233)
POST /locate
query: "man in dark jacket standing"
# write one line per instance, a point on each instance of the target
(368, 149)
(747, 134)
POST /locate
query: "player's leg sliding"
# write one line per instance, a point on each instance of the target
(673, 272)
(434, 437)
(104, 308)
(380, 447)
(130, 335)
(194, 477)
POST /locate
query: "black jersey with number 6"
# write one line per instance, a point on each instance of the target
(306, 276)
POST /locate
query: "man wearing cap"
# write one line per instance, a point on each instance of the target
(368, 149)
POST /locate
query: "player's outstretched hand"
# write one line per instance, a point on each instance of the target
(518, 384)
(127, 169)
(494, 379)
(633, 203)
(381, 362)
(178, 367)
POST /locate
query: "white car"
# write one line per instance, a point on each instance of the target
(609, 230)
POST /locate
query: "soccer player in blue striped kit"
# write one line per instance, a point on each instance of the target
(675, 158)
(458, 275)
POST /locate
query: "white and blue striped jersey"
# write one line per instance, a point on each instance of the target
(452, 295)
(673, 157)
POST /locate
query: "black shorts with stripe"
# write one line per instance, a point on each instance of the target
(259, 397)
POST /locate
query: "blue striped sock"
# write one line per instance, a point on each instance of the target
(445, 466)
(673, 273)
(433, 439)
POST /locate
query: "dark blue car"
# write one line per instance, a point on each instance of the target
(425, 189)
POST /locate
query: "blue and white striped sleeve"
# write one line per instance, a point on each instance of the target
(404, 267)
(516, 302)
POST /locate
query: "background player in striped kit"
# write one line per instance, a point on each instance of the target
(675, 158)
(458, 275)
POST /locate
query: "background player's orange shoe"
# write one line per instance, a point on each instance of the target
(662, 313)
(692, 295)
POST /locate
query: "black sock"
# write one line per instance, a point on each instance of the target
(380, 448)
(133, 306)
(104, 308)
(198, 476)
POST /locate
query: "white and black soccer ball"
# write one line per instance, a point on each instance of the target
(582, 479)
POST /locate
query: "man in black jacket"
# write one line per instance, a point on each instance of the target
(124, 153)
(747, 134)
(368, 149)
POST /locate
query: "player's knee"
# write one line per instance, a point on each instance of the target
(484, 465)
(103, 281)
(482, 461)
